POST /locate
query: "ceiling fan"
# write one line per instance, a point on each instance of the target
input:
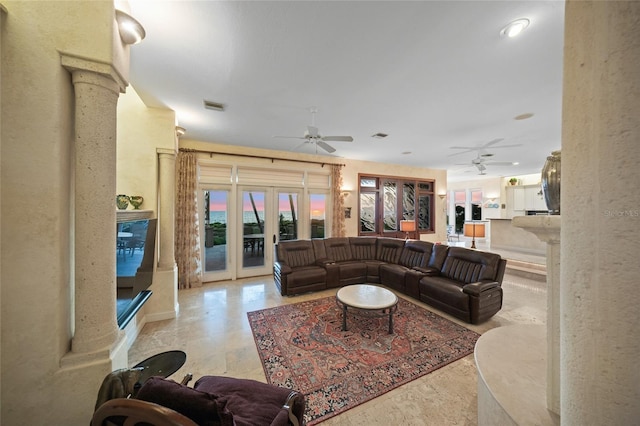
(312, 136)
(482, 149)
(481, 163)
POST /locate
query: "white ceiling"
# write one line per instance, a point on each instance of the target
(430, 74)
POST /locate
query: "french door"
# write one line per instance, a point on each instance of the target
(266, 215)
(240, 227)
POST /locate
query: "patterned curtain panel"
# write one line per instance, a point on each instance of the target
(337, 201)
(187, 235)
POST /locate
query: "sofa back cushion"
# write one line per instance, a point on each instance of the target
(415, 253)
(363, 248)
(296, 253)
(470, 266)
(389, 249)
(438, 256)
(338, 249)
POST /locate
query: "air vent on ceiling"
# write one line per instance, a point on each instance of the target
(216, 106)
(379, 135)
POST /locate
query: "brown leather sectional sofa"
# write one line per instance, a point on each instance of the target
(462, 282)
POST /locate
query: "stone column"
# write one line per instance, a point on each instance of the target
(600, 336)
(96, 97)
(167, 196)
(164, 302)
(547, 229)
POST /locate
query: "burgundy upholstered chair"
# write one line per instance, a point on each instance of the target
(213, 401)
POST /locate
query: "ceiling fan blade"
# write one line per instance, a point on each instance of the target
(313, 131)
(507, 146)
(325, 146)
(300, 146)
(493, 142)
(288, 137)
(337, 138)
(499, 163)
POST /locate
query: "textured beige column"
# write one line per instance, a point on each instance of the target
(167, 196)
(600, 336)
(96, 98)
(547, 229)
(164, 302)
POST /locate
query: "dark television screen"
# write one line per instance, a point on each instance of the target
(135, 249)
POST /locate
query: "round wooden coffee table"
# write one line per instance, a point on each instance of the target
(369, 298)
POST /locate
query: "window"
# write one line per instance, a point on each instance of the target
(476, 204)
(385, 201)
(460, 201)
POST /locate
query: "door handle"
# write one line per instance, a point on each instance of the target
(274, 238)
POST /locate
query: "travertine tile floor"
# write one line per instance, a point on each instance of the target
(212, 328)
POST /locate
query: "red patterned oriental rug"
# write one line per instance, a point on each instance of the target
(302, 347)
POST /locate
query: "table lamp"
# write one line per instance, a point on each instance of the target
(407, 226)
(473, 230)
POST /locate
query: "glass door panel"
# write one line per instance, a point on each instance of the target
(317, 210)
(253, 214)
(390, 205)
(367, 212)
(216, 235)
(287, 216)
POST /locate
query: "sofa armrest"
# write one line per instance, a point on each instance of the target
(475, 289)
(427, 270)
(324, 262)
(282, 268)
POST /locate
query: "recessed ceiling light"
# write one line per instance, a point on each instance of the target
(515, 163)
(514, 28)
(523, 116)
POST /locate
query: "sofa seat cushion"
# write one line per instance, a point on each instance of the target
(306, 275)
(446, 291)
(251, 402)
(352, 270)
(373, 270)
(393, 276)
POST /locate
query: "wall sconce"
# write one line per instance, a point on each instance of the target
(180, 131)
(131, 31)
(407, 226)
(473, 230)
(442, 196)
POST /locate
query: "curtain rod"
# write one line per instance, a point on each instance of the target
(322, 163)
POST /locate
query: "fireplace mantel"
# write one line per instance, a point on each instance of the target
(129, 215)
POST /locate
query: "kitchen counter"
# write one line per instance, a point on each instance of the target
(507, 237)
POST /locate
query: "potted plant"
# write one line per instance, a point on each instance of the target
(513, 181)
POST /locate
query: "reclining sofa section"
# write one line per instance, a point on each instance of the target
(462, 282)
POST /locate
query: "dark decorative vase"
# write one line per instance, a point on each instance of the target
(122, 201)
(550, 179)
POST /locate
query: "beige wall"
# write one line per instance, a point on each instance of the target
(141, 131)
(37, 137)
